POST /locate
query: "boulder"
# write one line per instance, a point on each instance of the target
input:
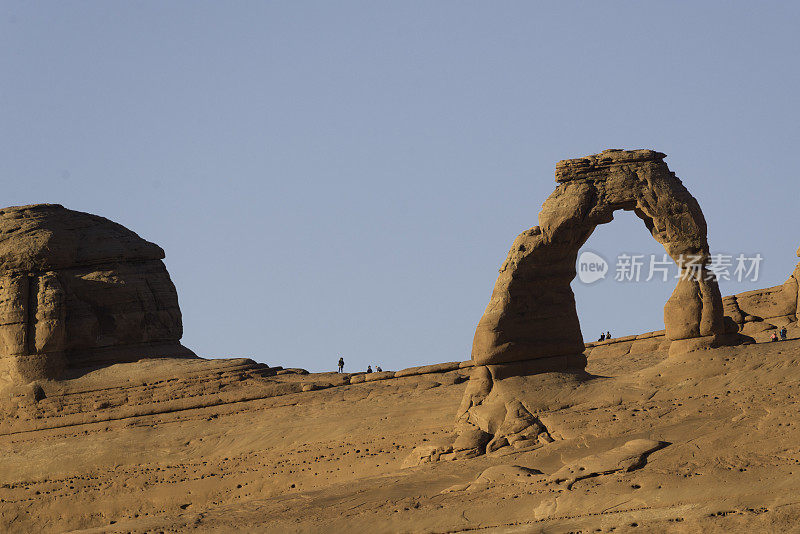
(771, 302)
(777, 304)
(381, 375)
(79, 290)
(426, 369)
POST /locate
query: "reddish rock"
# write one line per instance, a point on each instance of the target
(532, 313)
(79, 290)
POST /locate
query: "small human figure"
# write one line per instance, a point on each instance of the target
(608, 335)
(774, 337)
(369, 368)
(783, 334)
(602, 337)
(341, 364)
(378, 369)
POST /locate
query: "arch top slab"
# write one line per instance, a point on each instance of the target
(531, 313)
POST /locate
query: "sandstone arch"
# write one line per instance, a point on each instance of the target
(532, 313)
(529, 339)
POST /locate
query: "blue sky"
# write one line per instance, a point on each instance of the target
(346, 177)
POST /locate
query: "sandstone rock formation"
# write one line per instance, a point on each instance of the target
(627, 457)
(531, 326)
(176, 445)
(764, 309)
(630, 456)
(532, 310)
(754, 314)
(78, 290)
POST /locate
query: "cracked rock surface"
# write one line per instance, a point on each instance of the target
(78, 290)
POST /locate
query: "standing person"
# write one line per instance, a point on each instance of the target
(341, 364)
(783, 334)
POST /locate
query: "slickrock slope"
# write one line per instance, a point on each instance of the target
(721, 454)
(647, 443)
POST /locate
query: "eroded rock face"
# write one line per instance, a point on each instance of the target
(79, 290)
(773, 303)
(757, 314)
(530, 335)
(532, 310)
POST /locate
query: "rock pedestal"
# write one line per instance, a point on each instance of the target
(78, 290)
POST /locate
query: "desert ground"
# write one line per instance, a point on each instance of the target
(227, 445)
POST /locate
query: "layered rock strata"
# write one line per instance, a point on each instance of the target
(79, 290)
(776, 305)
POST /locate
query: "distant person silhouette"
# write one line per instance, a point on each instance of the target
(783, 334)
(602, 337)
(774, 337)
(378, 369)
(369, 368)
(341, 364)
(608, 335)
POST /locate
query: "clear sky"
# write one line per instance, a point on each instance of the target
(347, 177)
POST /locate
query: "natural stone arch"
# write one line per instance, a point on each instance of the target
(532, 312)
(529, 339)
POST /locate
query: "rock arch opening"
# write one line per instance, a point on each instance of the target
(628, 296)
(529, 339)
